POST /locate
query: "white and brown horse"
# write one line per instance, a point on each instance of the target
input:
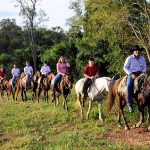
(95, 93)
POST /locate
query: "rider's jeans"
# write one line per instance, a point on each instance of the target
(27, 77)
(56, 80)
(13, 81)
(129, 91)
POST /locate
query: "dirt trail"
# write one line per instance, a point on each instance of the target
(134, 136)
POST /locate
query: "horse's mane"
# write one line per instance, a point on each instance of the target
(22, 75)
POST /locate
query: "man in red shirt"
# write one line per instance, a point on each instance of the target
(90, 72)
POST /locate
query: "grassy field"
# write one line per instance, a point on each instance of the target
(39, 126)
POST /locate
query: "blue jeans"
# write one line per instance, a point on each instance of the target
(27, 78)
(129, 91)
(13, 82)
(56, 80)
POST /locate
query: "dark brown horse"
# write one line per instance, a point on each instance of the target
(64, 87)
(45, 85)
(34, 83)
(5, 86)
(141, 99)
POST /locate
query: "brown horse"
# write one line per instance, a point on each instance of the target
(46, 85)
(141, 99)
(5, 86)
(19, 85)
(64, 87)
(32, 85)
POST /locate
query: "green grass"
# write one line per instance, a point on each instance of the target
(36, 126)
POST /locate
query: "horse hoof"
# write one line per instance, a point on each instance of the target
(120, 126)
(127, 128)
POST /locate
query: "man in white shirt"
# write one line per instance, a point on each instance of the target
(15, 73)
(45, 70)
(28, 70)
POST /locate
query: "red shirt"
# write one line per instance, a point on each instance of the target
(2, 74)
(90, 70)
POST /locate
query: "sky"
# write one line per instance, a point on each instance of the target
(57, 11)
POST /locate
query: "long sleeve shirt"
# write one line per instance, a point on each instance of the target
(15, 72)
(133, 64)
(45, 70)
(28, 70)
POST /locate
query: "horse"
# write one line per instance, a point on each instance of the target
(5, 85)
(20, 85)
(32, 85)
(46, 85)
(141, 99)
(95, 93)
(64, 87)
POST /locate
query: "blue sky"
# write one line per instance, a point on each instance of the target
(57, 11)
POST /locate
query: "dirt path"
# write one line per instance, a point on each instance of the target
(134, 136)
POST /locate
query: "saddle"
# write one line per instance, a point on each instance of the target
(136, 87)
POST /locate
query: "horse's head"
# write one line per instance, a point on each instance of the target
(36, 76)
(68, 80)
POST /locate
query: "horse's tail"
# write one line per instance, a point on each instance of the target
(110, 99)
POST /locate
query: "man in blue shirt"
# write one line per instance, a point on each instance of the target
(134, 65)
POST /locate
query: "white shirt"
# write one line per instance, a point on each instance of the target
(28, 70)
(15, 72)
(45, 70)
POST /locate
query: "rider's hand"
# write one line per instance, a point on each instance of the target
(92, 77)
(133, 76)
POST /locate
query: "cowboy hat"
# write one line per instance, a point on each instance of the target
(136, 48)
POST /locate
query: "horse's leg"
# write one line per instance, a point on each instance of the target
(38, 94)
(80, 105)
(65, 102)
(54, 98)
(99, 109)
(121, 105)
(22, 94)
(89, 109)
(148, 118)
(25, 94)
(57, 101)
(16, 93)
(141, 110)
(47, 96)
(124, 119)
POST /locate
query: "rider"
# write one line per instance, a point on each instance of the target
(45, 70)
(28, 70)
(15, 73)
(61, 66)
(2, 74)
(134, 66)
(90, 71)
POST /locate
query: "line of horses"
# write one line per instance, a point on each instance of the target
(95, 93)
(36, 87)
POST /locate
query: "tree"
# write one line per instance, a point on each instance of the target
(32, 18)
(137, 16)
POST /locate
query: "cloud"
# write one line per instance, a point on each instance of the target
(57, 11)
